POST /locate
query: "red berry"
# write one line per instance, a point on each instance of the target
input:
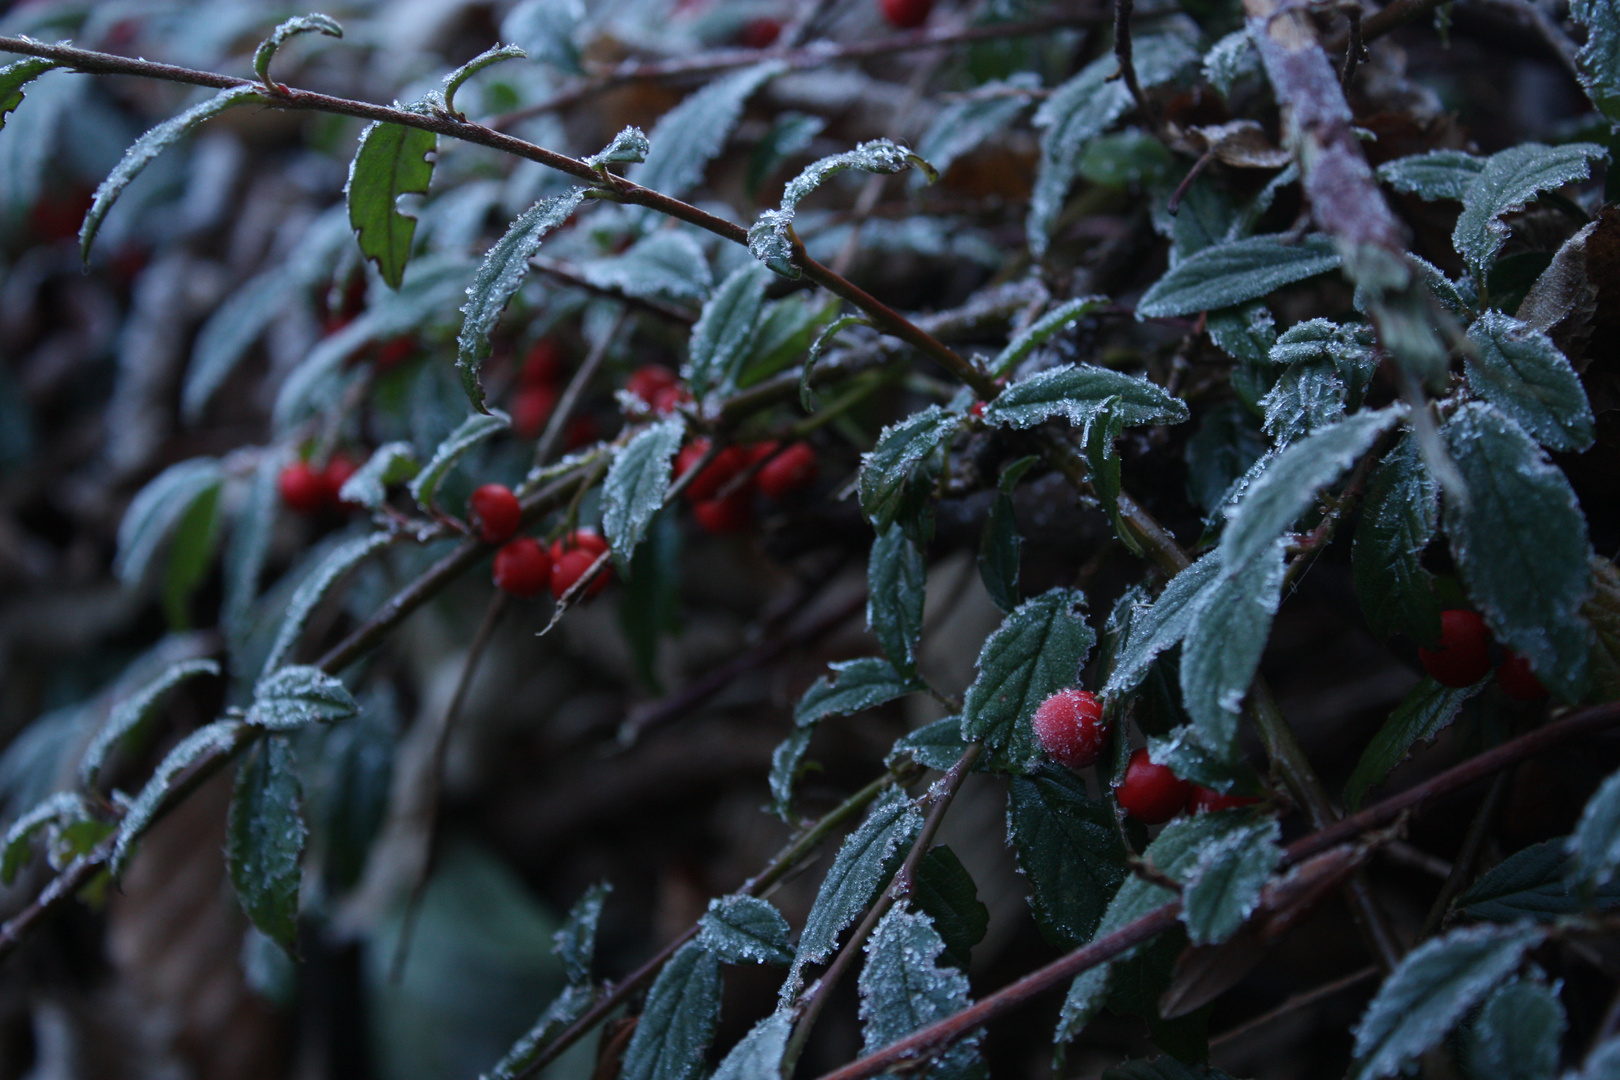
(669, 399)
(646, 381)
(907, 13)
(571, 566)
(976, 409)
(1517, 680)
(303, 487)
(579, 539)
(496, 512)
(1150, 793)
(1069, 727)
(760, 33)
(339, 467)
(734, 513)
(787, 472)
(394, 352)
(531, 408)
(1205, 799)
(544, 363)
(522, 567)
(1464, 655)
(716, 475)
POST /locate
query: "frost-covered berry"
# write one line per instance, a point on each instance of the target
(522, 567)
(496, 512)
(1069, 727)
(1464, 655)
(1150, 793)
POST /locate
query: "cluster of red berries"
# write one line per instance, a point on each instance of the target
(1069, 727)
(658, 388)
(539, 379)
(524, 567)
(722, 505)
(308, 490)
(1464, 658)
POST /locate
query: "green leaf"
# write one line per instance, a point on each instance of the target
(575, 942)
(14, 79)
(944, 891)
(856, 685)
(690, 135)
(134, 711)
(63, 809)
(149, 146)
(157, 512)
(1288, 486)
(1128, 159)
(649, 607)
(495, 54)
(1436, 984)
(469, 433)
(1235, 272)
(897, 580)
(1304, 399)
(790, 134)
(248, 549)
(1439, 174)
(350, 787)
(887, 468)
(1603, 1063)
(1069, 848)
(343, 558)
(1398, 519)
(741, 929)
(669, 264)
(678, 1023)
(903, 988)
(1175, 853)
(1517, 1033)
(759, 1054)
(1520, 542)
(1229, 60)
(545, 29)
(390, 463)
(1223, 645)
(724, 331)
(499, 276)
(823, 341)
(960, 126)
(568, 1007)
(1078, 392)
(1595, 844)
(999, 553)
(1036, 651)
(1599, 58)
(770, 238)
(784, 334)
(220, 737)
(1104, 464)
(629, 145)
(265, 835)
(301, 24)
(1518, 369)
(1041, 331)
(191, 553)
(868, 858)
(1162, 624)
(228, 334)
(787, 762)
(391, 160)
(1509, 180)
(1223, 888)
(1083, 108)
(1425, 712)
(1247, 333)
(1221, 450)
(636, 484)
(938, 745)
(296, 696)
(1534, 883)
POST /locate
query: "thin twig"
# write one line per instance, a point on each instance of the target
(569, 275)
(435, 780)
(1356, 51)
(1127, 63)
(1462, 868)
(1295, 1003)
(564, 412)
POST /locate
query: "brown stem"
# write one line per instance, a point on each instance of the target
(568, 275)
(1295, 1003)
(1127, 63)
(1463, 866)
